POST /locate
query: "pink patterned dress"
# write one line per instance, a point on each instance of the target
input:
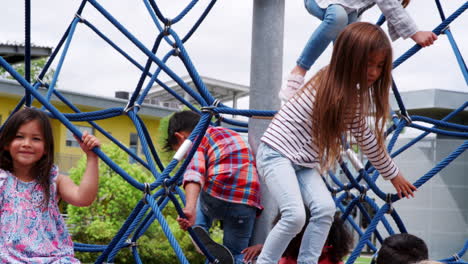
(29, 232)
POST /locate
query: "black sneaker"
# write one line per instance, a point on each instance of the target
(221, 253)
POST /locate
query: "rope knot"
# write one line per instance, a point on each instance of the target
(456, 257)
(210, 109)
(405, 116)
(40, 81)
(80, 18)
(334, 191)
(167, 27)
(363, 194)
(445, 29)
(168, 188)
(347, 191)
(388, 200)
(128, 108)
(146, 191)
(176, 51)
(132, 243)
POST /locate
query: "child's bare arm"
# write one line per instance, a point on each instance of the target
(85, 193)
(252, 252)
(192, 190)
(424, 38)
(403, 186)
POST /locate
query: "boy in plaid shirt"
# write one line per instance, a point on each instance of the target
(221, 181)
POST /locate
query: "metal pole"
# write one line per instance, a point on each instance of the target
(27, 47)
(265, 82)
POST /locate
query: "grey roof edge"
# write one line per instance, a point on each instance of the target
(210, 81)
(431, 98)
(21, 44)
(18, 49)
(13, 89)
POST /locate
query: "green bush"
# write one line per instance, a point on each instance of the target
(98, 223)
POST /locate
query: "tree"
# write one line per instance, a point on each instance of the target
(36, 68)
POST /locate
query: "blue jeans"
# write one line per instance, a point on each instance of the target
(334, 20)
(238, 221)
(294, 186)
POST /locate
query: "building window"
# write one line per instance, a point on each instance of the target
(71, 141)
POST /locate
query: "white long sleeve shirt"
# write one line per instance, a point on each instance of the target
(400, 24)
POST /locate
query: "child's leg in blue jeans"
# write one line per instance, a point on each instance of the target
(334, 20)
(238, 221)
(280, 178)
(322, 209)
(238, 226)
(205, 220)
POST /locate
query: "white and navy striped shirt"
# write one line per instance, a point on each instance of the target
(289, 133)
(399, 22)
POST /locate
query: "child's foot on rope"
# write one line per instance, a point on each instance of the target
(218, 251)
(292, 84)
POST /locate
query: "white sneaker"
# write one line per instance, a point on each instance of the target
(292, 84)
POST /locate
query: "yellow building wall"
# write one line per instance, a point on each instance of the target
(66, 156)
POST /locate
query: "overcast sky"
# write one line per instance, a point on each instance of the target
(220, 48)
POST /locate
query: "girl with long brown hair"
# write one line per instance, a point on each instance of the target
(31, 227)
(304, 138)
(336, 15)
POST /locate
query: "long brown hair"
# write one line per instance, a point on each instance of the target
(342, 92)
(42, 168)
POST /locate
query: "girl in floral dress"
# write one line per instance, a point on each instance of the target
(31, 227)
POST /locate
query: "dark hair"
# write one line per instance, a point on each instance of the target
(42, 168)
(181, 121)
(402, 249)
(339, 241)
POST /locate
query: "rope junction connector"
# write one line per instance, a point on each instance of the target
(167, 26)
(347, 191)
(388, 200)
(146, 191)
(334, 191)
(210, 109)
(216, 102)
(456, 257)
(129, 108)
(40, 81)
(80, 17)
(445, 29)
(131, 243)
(176, 52)
(406, 117)
(362, 196)
(168, 189)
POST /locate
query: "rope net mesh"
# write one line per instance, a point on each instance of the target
(349, 195)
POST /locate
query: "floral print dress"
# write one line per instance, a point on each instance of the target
(30, 232)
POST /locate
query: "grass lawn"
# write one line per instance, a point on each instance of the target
(362, 260)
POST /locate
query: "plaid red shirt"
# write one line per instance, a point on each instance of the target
(225, 167)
